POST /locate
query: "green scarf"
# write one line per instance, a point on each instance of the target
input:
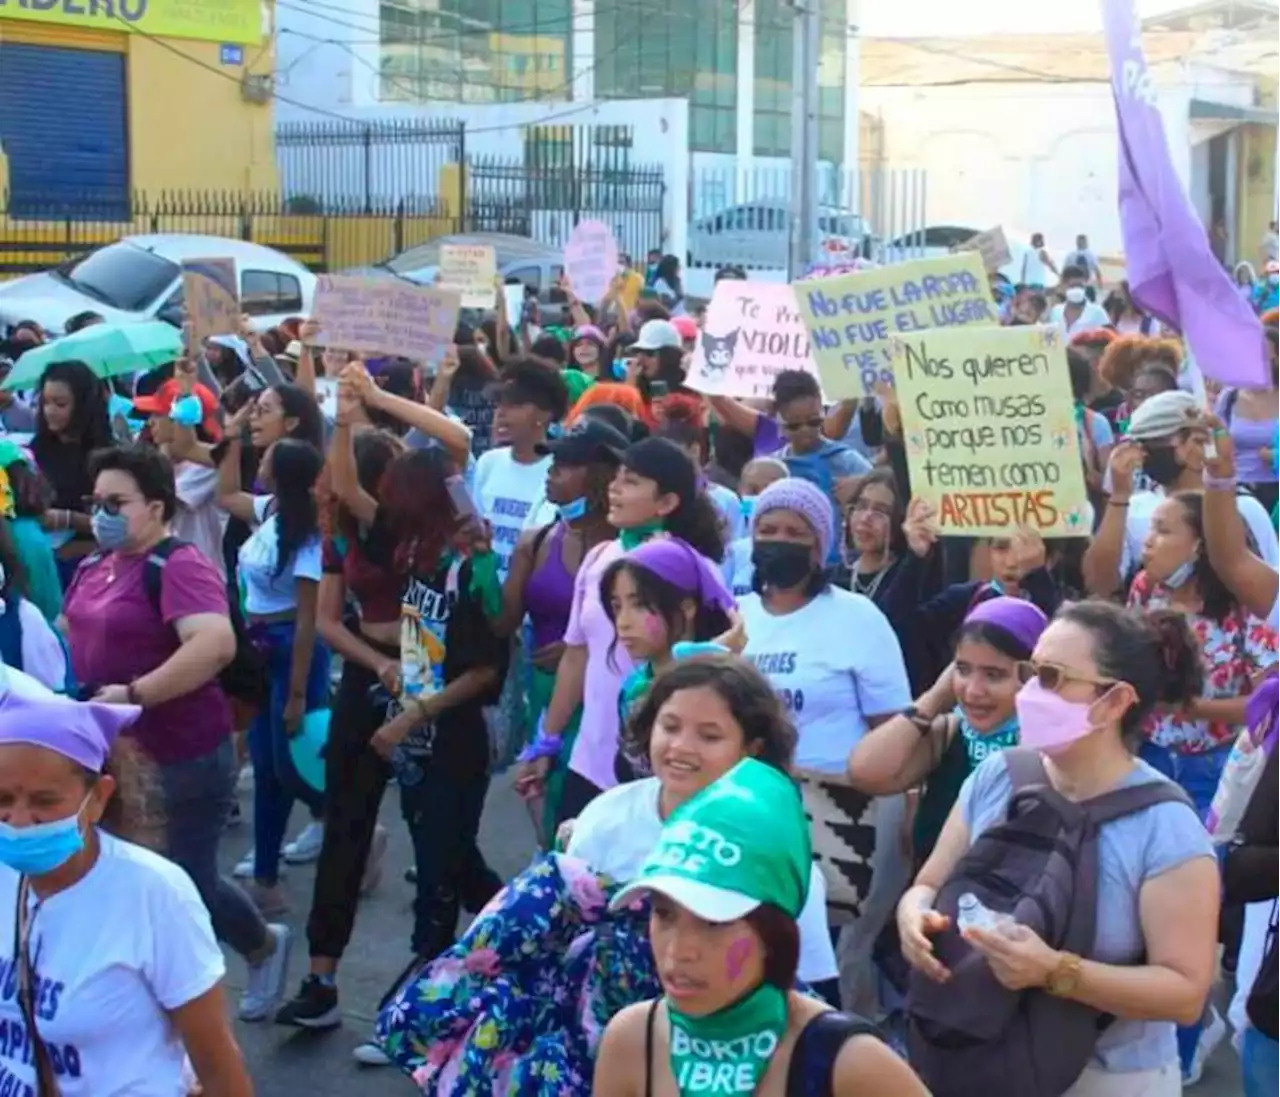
(729, 1051)
(636, 536)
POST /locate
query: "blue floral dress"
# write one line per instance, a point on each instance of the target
(518, 1006)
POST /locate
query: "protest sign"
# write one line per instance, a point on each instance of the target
(212, 300)
(752, 332)
(992, 246)
(469, 270)
(386, 317)
(989, 428)
(852, 318)
(591, 260)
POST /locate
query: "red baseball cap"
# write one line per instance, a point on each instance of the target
(162, 400)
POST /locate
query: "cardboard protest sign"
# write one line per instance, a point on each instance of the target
(469, 270)
(992, 246)
(852, 318)
(591, 260)
(752, 332)
(385, 317)
(989, 427)
(211, 296)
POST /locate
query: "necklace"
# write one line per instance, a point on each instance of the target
(870, 585)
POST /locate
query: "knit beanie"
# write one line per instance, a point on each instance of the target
(807, 500)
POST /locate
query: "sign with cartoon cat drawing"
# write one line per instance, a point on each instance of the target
(752, 332)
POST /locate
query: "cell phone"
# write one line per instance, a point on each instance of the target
(463, 505)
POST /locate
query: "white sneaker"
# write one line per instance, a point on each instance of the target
(370, 1054)
(244, 779)
(244, 867)
(265, 988)
(1211, 1036)
(306, 847)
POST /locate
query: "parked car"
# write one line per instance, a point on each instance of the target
(933, 241)
(757, 234)
(539, 266)
(140, 278)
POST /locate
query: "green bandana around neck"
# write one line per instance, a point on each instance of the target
(979, 745)
(729, 1051)
(636, 536)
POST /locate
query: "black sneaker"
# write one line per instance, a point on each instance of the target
(314, 1006)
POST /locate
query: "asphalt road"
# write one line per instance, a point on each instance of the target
(285, 1062)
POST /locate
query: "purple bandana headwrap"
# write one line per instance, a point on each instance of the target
(685, 568)
(80, 730)
(1022, 620)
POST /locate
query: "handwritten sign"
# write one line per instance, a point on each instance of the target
(591, 260)
(470, 271)
(386, 317)
(992, 246)
(852, 318)
(990, 431)
(212, 300)
(752, 332)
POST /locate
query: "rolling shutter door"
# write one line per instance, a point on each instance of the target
(62, 121)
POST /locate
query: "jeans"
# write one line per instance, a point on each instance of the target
(198, 795)
(1260, 1064)
(355, 779)
(276, 783)
(1198, 776)
(443, 813)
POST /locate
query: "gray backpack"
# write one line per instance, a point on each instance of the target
(971, 1035)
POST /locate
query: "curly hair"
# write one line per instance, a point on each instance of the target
(1128, 354)
(135, 812)
(420, 514)
(626, 397)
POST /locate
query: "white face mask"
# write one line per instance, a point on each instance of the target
(1075, 295)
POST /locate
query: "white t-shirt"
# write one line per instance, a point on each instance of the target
(43, 656)
(505, 491)
(621, 827)
(1143, 505)
(833, 663)
(112, 953)
(1092, 316)
(265, 592)
(199, 519)
(729, 507)
(738, 568)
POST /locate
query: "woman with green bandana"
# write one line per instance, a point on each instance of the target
(655, 491)
(727, 881)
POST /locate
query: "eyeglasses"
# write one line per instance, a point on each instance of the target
(873, 509)
(808, 424)
(1053, 676)
(110, 504)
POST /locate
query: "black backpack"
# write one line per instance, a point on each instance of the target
(972, 1035)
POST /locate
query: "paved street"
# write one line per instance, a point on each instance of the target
(288, 1062)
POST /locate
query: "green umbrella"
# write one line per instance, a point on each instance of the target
(107, 349)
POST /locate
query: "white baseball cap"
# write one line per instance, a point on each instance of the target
(656, 334)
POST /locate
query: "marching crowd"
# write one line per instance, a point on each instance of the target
(826, 803)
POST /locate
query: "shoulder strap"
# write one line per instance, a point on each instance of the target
(1026, 768)
(451, 580)
(813, 1062)
(650, 1021)
(153, 569)
(46, 1078)
(541, 536)
(1128, 801)
(1229, 405)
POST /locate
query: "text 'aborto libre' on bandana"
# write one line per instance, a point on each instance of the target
(729, 1051)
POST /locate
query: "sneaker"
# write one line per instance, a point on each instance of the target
(306, 847)
(265, 987)
(314, 1006)
(370, 1054)
(235, 817)
(373, 866)
(1211, 1036)
(244, 780)
(268, 898)
(244, 867)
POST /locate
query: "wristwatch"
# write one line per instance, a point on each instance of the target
(1064, 979)
(922, 722)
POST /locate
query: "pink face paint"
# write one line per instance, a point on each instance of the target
(736, 958)
(655, 628)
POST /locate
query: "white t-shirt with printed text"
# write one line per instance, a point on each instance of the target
(505, 491)
(113, 954)
(833, 663)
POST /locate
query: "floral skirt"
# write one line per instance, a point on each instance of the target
(518, 1006)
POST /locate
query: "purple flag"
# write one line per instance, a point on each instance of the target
(1173, 274)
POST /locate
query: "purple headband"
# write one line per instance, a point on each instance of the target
(1022, 620)
(686, 569)
(80, 730)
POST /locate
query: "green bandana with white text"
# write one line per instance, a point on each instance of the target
(729, 1051)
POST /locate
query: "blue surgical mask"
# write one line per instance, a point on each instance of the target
(619, 369)
(574, 509)
(1179, 576)
(111, 531)
(747, 505)
(42, 847)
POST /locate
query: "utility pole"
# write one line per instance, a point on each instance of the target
(806, 27)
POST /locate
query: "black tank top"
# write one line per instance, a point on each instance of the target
(813, 1059)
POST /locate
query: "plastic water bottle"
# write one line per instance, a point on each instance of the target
(971, 913)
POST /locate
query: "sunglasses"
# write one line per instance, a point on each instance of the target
(110, 504)
(1053, 676)
(808, 424)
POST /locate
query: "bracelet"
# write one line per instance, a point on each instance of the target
(131, 694)
(1117, 502)
(1220, 483)
(544, 746)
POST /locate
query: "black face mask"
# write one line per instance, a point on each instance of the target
(1162, 465)
(781, 564)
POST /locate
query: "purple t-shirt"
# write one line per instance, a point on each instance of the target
(768, 438)
(1251, 437)
(589, 625)
(115, 636)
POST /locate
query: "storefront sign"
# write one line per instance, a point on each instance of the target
(234, 21)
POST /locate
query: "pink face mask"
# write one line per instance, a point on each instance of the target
(1048, 722)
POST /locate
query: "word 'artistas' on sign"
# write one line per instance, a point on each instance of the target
(852, 318)
(990, 432)
(752, 332)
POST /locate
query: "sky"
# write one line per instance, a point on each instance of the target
(946, 18)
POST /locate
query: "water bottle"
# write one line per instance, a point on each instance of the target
(971, 913)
